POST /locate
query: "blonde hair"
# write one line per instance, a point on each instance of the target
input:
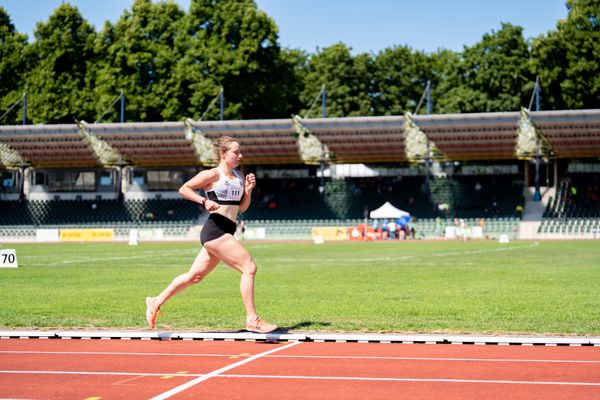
(222, 145)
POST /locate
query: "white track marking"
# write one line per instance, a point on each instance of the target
(219, 371)
(117, 353)
(217, 374)
(432, 380)
(446, 359)
(132, 257)
(452, 253)
(156, 254)
(411, 257)
(325, 357)
(94, 373)
(143, 252)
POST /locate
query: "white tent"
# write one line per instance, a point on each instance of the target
(388, 211)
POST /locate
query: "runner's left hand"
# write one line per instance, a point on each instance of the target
(250, 182)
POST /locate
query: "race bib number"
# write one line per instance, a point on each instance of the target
(234, 193)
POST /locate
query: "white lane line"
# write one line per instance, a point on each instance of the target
(114, 353)
(218, 372)
(326, 357)
(140, 256)
(410, 257)
(93, 373)
(446, 359)
(429, 380)
(452, 253)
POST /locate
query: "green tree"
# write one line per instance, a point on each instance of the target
(493, 75)
(287, 82)
(445, 79)
(400, 76)
(230, 44)
(57, 80)
(138, 57)
(348, 82)
(566, 59)
(12, 68)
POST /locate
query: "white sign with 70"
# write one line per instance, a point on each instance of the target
(8, 258)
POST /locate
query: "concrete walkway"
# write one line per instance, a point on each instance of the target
(533, 211)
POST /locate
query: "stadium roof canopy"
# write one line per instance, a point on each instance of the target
(147, 144)
(262, 141)
(481, 136)
(361, 139)
(571, 133)
(51, 146)
(486, 136)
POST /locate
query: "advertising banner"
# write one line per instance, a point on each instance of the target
(86, 235)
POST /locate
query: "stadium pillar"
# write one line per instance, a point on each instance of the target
(118, 179)
(322, 185)
(323, 101)
(427, 94)
(537, 196)
(122, 107)
(428, 90)
(21, 182)
(537, 94)
(26, 184)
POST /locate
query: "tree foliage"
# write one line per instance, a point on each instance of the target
(347, 81)
(172, 63)
(138, 55)
(231, 45)
(57, 81)
(400, 76)
(566, 59)
(492, 75)
(12, 67)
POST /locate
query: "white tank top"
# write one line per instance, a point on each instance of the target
(227, 190)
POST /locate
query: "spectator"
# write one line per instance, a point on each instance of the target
(439, 227)
(573, 191)
(384, 229)
(392, 229)
(375, 225)
(519, 210)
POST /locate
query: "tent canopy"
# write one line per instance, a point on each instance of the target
(388, 211)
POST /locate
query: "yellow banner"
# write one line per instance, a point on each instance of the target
(330, 232)
(86, 235)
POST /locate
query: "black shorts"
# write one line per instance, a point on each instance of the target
(215, 227)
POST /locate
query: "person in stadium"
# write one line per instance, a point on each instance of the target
(227, 193)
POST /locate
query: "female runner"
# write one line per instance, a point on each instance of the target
(227, 193)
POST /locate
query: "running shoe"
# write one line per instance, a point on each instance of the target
(260, 326)
(151, 312)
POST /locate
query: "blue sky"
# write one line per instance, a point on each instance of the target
(365, 26)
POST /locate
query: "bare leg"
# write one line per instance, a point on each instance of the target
(202, 266)
(228, 249)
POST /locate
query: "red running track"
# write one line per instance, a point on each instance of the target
(144, 369)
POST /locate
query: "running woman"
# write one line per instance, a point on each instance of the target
(227, 193)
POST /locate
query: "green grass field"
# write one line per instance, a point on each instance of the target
(403, 287)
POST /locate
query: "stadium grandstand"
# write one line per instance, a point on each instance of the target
(514, 174)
